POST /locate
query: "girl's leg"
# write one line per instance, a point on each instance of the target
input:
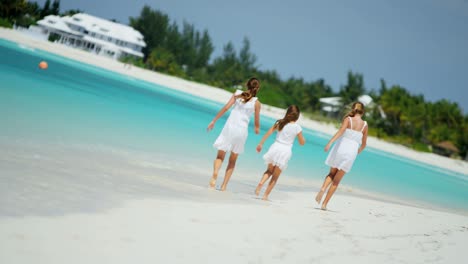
(336, 180)
(229, 170)
(326, 183)
(216, 166)
(272, 183)
(265, 177)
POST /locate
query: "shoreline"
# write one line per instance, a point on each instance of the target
(221, 96)
(146, 159)
(75, 202)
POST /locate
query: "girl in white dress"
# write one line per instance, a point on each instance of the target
(350, 141)
(280, 152)
(234, 134)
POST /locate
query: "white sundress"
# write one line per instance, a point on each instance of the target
(280, 152)
(235, 131)
(345, 150)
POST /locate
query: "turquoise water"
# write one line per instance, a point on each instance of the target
(71, 102)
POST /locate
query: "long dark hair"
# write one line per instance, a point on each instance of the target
(253, 85)
(292, 114)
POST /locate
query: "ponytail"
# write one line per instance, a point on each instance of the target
(356, 108)
(253, 85)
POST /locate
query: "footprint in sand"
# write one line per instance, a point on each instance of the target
(429, 246)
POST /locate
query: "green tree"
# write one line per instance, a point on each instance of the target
(393, 102)
(163, 60)
(446, 122)
(46, 10)
(19, 12)
(462, 142)
(314, 92)
(153, 25)
(173, 40)
(247, 59)
(188, 43)
(226, 69)
(229, 55)
(414, 117)
(190, 47)
(235, 68)
(353, 89)
(204, 50)
(12, 9)
(55, 9)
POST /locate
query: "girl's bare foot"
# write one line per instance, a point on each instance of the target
(259, 188)
(318, 198)
(223, 188)
(324, 207)
(265, 198)
(212, 183)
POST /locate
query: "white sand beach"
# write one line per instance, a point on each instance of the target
(81, 204)
(73, 204)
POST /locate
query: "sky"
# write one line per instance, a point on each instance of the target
(421, 45)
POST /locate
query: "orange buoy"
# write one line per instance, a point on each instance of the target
(43, 65)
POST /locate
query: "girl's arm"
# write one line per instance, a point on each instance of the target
(301, 138)
(257, 116)
(364, 140)
(338, 134)
(264, 138)
(221, 112)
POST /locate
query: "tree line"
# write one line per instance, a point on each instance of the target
(409, 119)
(186, 52)
(24, 13)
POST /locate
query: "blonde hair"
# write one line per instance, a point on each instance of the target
(292, 114)
(253, 85)
(356, 108)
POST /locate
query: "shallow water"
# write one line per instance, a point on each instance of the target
(73, 103)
